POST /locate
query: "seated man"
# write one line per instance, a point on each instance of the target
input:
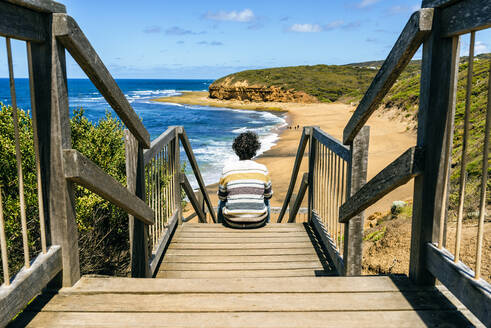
(244, 189)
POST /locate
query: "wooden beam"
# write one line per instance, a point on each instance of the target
(71, 36)
(296, 167)
(465, 16)
(192, 198)
(437, 3)
(163, 243)
(197, 174)
(416, 30)
(81, 170)
(28, 283)
(332, 143)
(328, 244)
(22, 23)
(357, 177)
(158, 144)
(299, 199)
(397, 173)
(43, 6)
(458, 278)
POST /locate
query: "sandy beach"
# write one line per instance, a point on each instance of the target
(389, 138)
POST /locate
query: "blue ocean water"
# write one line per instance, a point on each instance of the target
(211, 130)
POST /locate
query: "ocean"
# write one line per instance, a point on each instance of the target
(211, 130)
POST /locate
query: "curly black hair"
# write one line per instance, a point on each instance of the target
(246, 145)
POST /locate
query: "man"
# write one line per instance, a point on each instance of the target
(244, 189)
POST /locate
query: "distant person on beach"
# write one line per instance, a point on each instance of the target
(245, 187)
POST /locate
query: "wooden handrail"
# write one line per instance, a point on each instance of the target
(416, 30)
(397, 173)
(43, 6)
(158, 144)
(332, 143)
(298, 200)
(194, 165)
(73, 39)
(22, 23)
(296, 167)
(465, 16)
(81, 170)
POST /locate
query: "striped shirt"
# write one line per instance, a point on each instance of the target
(243, 186)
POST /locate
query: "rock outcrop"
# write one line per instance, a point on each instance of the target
(242, 91)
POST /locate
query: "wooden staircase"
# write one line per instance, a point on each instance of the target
(213, 276)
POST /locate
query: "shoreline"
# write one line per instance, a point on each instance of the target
(388, 139)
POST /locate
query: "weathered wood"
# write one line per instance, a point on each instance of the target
(332, 143)
(335, 284)
(416, 30)
(81, 170)
(465, 16)
(275, 226)
(197, 174)
(131, 152)
(397, 173)
(71, 36)
(307, 250)
(22, 23)
(175, 155)
(458, 278)
(28, 283)
(163, 243)
(253, 245)
(296, 167)
(240, 259)
(435, 105)
(299, 198)
(192, 198)
(311, 201)
(244, 234)
(357, 177)
(328, 244)
(239, 274)
(239, 240)
(53, 122)
(158, 144)
(347, 319)
(43, 6)
(240, 266)
(437, 3)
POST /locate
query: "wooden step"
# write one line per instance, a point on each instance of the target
(166, 266)
(213, 274)
(240, 240)
(240, 252)
(280, 245)
(238, 259)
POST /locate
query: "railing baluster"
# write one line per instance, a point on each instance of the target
(18, 156)
(3, 245)
(463, 164)
(338, 198)
(484, 181)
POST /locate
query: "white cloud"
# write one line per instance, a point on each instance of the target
(333, 25)
(245, 15)
(480, 47)
(366, 3)
(305, 28)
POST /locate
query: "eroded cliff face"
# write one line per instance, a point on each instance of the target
(226, 90)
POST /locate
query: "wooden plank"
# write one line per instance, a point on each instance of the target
(245, 234)
(69, 33)
(332, 143)
(239, 274)
(397, 173)
(192, 198)
(81, 170)
(163, 243)
(458, 278)
(28, 283)
(240, 246)
(296, 167)
(250, 302)
(239, 266)
(242, 252)
(43, 6)
(275, 226)
(357, 177)
(347, 319)
(299, 198)
(232, 231)
(327, 243)
(235, 240)
(439, 61)
(158, 144)
(334, 284)
(437, 3)
(465, 16)
(416, 30)
(240, 259)
(197, 174)
(22, 23)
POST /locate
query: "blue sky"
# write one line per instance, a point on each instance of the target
(209, 39)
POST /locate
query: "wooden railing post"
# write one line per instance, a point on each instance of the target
(50, 98)
(357, 177)
(312, 154)
(135, 178)
(437, 99)
(176, 149)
